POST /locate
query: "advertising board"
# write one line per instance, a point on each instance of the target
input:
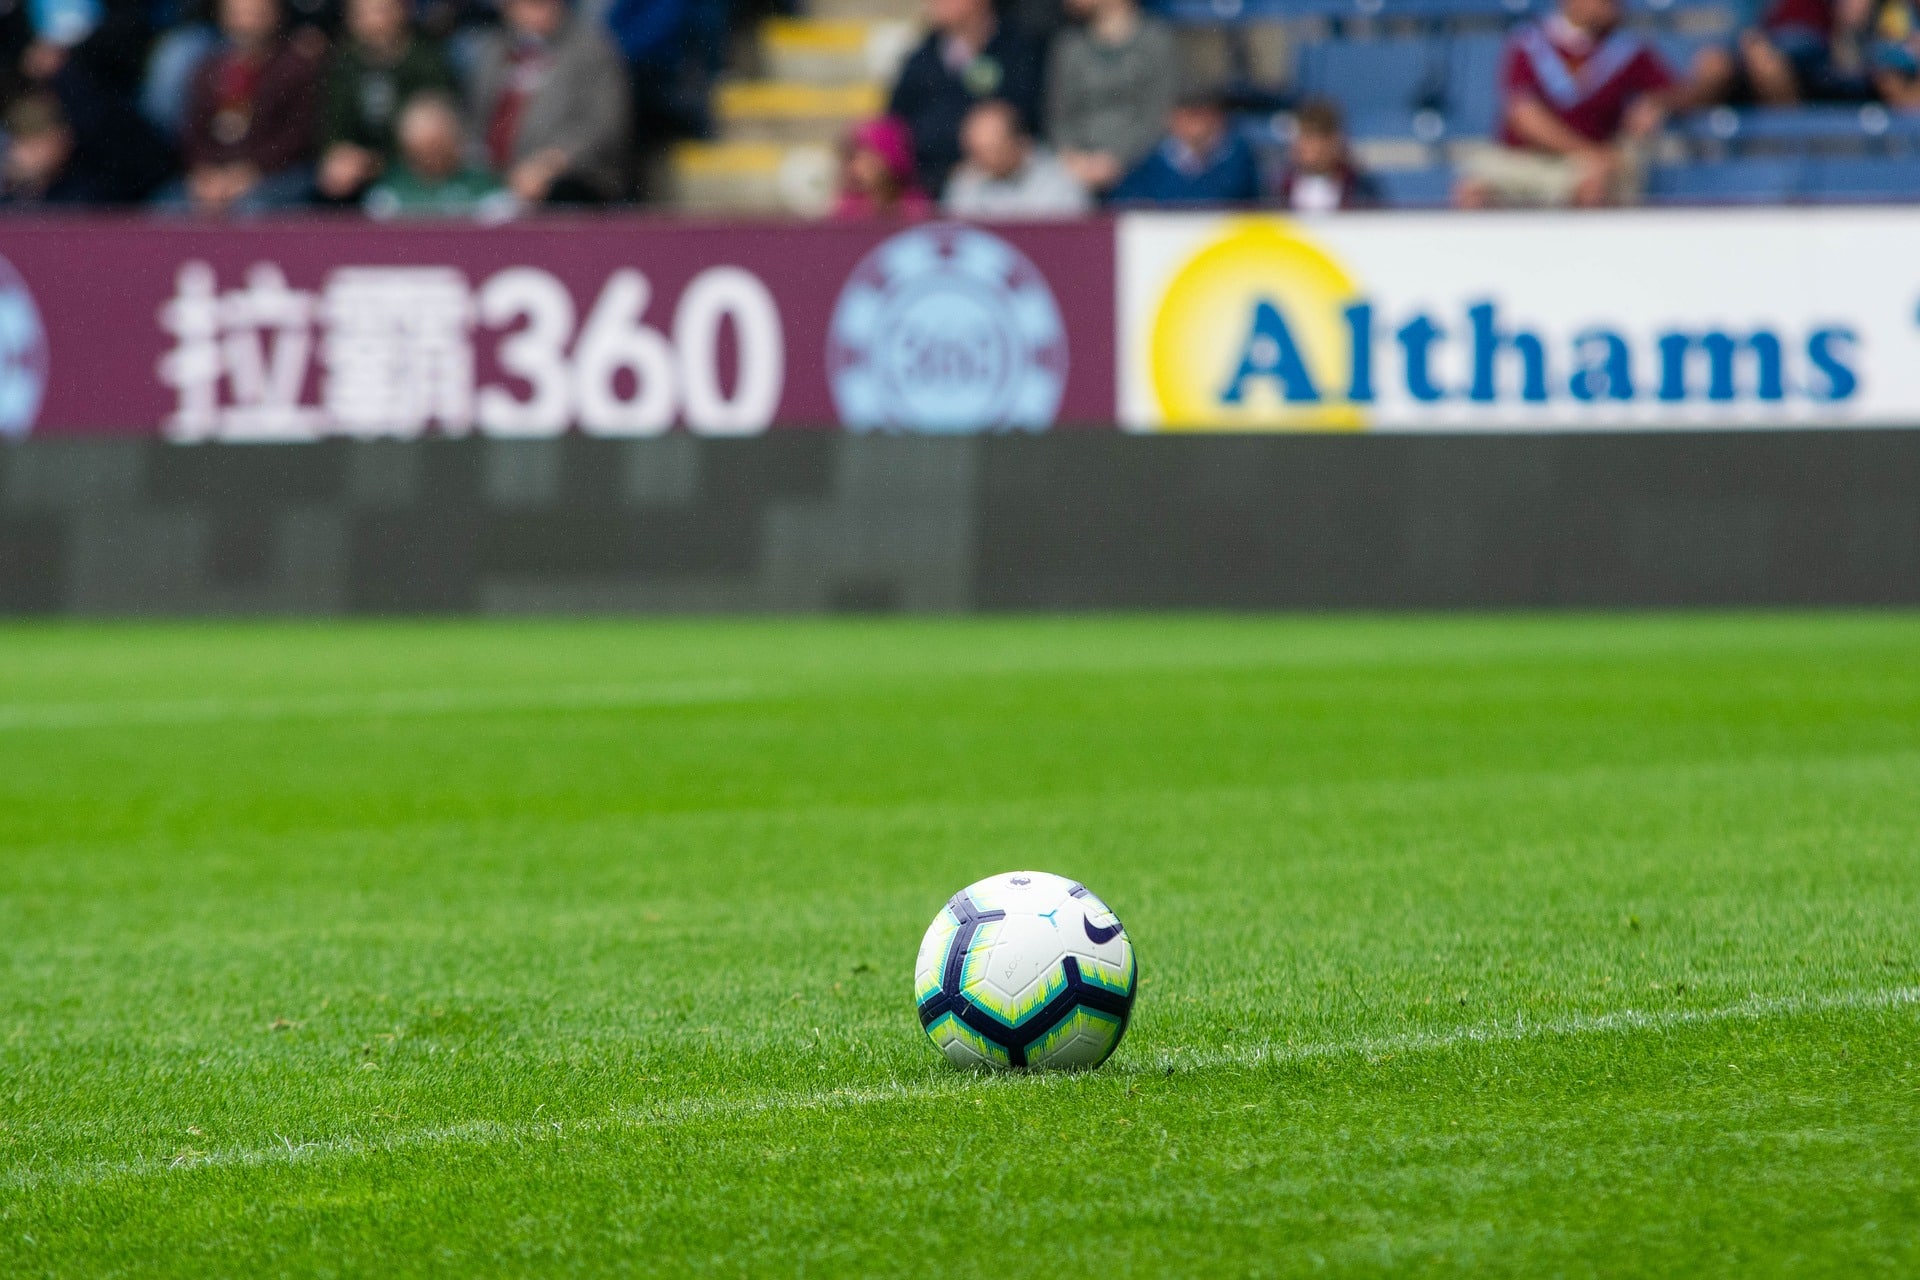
(1683, 319)
(298, 331)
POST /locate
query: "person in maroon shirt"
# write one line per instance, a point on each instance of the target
(1784, 59)
(1579, 97)
(252, 116)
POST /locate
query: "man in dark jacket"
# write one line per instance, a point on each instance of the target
(381, 67)
(251, 113)
(969, 56)
(1201, 160)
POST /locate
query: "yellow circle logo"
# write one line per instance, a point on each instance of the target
(1254, 333)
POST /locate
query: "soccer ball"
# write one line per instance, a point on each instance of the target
(1025, 970)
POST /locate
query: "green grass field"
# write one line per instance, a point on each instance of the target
(1504, 946)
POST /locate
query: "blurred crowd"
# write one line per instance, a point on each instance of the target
(1036, 108)
(988, 120)
(439, 107)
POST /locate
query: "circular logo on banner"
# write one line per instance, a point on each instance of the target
(946, 329)
(23, 355)
(1254, 332)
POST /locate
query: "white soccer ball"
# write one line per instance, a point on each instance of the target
(1025, 970)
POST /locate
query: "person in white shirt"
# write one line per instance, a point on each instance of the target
(1003, 174)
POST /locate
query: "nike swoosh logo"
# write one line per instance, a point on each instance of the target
(1099, 937)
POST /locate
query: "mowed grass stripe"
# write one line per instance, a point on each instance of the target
(1623, 1022)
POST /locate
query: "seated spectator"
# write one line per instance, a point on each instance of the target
(430, 177)
(967, 57)
(1004, 175)
(1110, 84)
(1321, 176)
(1783, 59)
(172, 65)
(39, 168)
(109, 152)
(381, 65)
(1579, 99)
(550, 103)
(1201, 161)
(251, 116)
(877, 178)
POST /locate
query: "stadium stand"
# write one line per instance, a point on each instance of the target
(738, 109)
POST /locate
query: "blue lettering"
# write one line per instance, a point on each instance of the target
(1360, 343)
(1830, 350)
(1721, 350)
(1417, 337)
(1269, 352)
(1487, 342)
(1603, 367)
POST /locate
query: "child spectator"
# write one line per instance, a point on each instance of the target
(967, 57)
(1784, 58)
(1201, 160)
(381, 65)
(430, 177)
(1110, 85)
(251, 114)
(1004, 175)
(1321, 176)
(1579, 98)
(550, 102)
(876, 173)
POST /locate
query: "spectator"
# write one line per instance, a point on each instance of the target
(110, 152)
(430, 177)
(876, 173)
(967, 57)
(1882, 41)
(250, 119)
(550, 103)
(382, 65)
(673, 51)
(1201, 160)
(1783, 59)
(1321, 176)
(1579, 99)
(1004, 175)
(1110, 84)
(41, 146)
(172, 64)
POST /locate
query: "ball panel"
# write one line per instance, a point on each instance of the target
(964, 1046)
(932, 961)
(1085, 1038)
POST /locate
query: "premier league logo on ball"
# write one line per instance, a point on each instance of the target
(947, 329)
(23, 355)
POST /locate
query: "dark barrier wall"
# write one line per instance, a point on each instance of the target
(817, 522)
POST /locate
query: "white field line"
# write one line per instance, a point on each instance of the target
(684, 1111)
(397, 702)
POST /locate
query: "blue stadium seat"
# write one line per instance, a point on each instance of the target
(1473, 84)
(1801, 128)
(1399, 75)
(1663, 10)
(1679, 49)
(1415, 188)
(1772, 181)
(1218, 12)
(1846, 178)
(1440, 11)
